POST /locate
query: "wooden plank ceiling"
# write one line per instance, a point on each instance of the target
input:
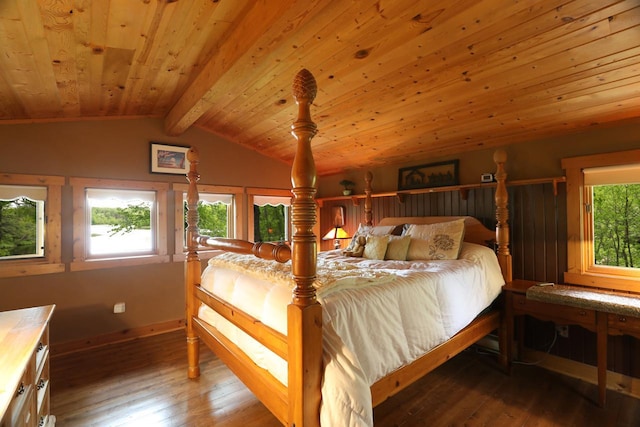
(398, 80)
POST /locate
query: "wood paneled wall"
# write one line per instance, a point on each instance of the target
(538, 224)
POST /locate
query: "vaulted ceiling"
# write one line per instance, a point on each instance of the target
(397, 79)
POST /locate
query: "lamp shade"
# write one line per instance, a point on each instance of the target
(336, 233)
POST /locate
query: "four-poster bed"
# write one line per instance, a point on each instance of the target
(293, 392)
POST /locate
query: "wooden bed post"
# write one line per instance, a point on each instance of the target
(502, 216)
(304, 314)
(368, 210)
(192, 264)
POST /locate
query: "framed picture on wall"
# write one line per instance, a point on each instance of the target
(169, 159)
(337, 212)
(432, 175)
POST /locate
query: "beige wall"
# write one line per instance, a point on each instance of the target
(116, 149)
(120, 149)
(536, 159)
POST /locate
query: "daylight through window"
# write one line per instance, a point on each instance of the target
(271, 218)
(22, 221)
(122, 221)
(613, 207)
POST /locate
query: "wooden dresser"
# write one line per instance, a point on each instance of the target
(24, 367)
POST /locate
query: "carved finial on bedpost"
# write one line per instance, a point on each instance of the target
(304, 314)
(192, 201)
(502, 215)
(368, 210)
(192, 263)
(303, 180)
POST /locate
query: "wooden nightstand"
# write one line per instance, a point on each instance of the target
(599, 311)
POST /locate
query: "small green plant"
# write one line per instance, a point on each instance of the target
(348, 186)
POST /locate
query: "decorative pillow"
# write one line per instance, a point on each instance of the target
(358, 248)
(365, 230)
(376, 246)
(398, 247)
(441, 240)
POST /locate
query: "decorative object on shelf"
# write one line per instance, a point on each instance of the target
(487, 177)
(438, 174)
(348, 186)
(169, 159)
(336, 234)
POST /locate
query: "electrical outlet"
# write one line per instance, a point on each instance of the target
(119, 307)
(563, 330)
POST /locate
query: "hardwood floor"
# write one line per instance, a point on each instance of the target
(144, 383)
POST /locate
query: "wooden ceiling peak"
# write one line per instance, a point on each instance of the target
(397, 80)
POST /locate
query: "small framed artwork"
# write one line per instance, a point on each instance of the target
(438, 174)
(169, 159)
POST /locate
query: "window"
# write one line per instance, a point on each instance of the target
(118, 223)
(270, 213)
(219, 210)
(30, 225)
(603, 204)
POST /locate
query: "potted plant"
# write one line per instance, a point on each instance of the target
(348, 186)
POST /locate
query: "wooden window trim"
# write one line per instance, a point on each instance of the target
(238, 209)
(580, 268)
(80, 261)
(52, 260)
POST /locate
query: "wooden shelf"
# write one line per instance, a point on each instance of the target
(463, 189)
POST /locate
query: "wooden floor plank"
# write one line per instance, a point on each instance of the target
(144, 382)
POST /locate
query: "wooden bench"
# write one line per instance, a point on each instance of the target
(600, 311)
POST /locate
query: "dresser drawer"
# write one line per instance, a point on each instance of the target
(21, 411)
(621, 324)
(554, 312)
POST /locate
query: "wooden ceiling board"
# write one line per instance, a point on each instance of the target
(397, 80)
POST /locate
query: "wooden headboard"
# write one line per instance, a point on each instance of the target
(474, 230)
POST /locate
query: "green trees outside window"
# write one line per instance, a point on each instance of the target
(18, 227)
(269, 223)
(616, 225)
(213, 218)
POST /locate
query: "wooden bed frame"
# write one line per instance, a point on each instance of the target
(298, 404)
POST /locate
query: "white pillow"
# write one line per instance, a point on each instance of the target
(441, 240)
(376, 246)
(398, 247)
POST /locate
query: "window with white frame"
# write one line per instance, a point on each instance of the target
(270, 215)
(219, 213)
(603, 204)
(118, 223)
(30, 226)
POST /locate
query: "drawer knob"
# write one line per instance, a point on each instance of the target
(21, 389)
(583, 313)
(622, 319)
(41, 384)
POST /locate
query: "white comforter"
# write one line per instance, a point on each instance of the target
(371, 327)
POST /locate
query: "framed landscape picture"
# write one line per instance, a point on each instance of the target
(438, 174)
(169, 159)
